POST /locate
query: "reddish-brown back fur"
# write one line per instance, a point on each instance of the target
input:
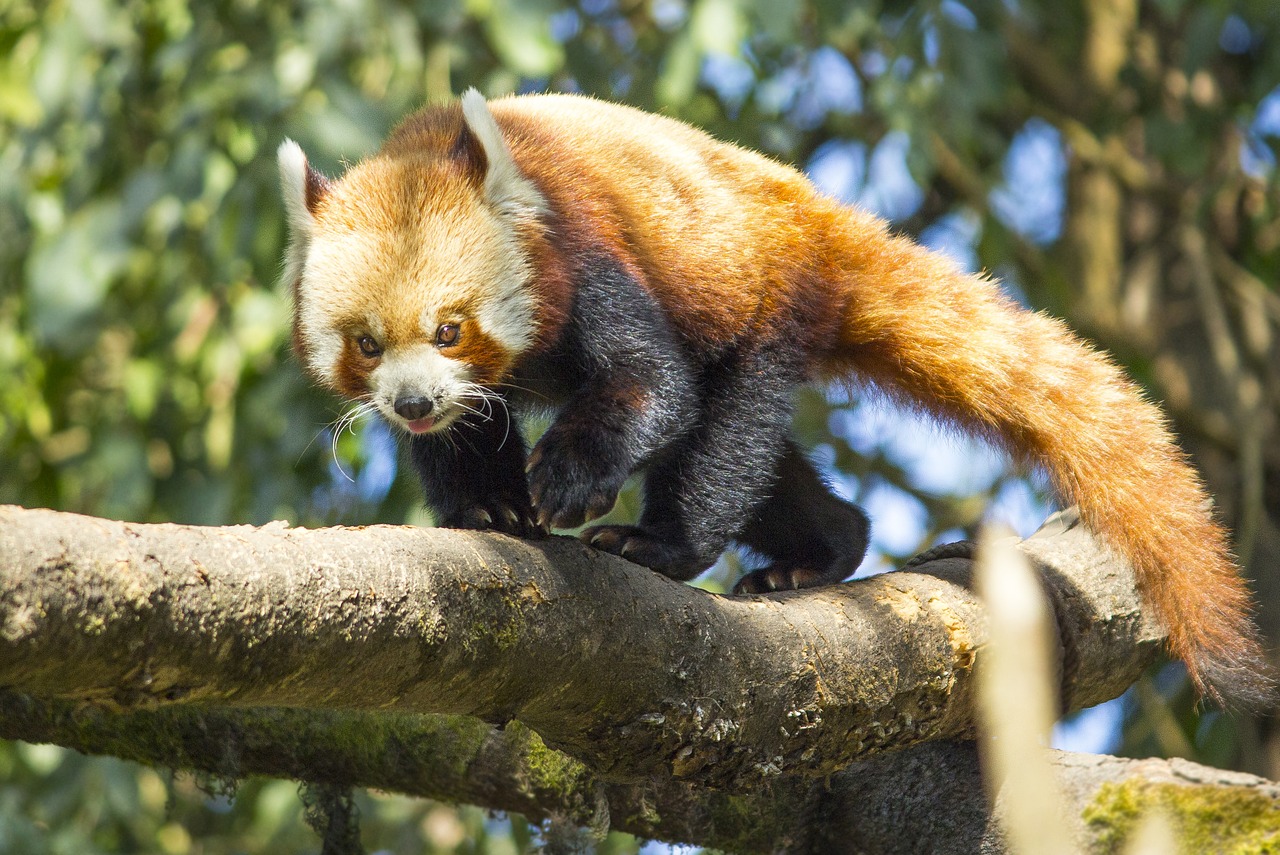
(737, 247)
(703, 225)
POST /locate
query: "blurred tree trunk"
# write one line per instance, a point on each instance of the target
(1161, 249)
(1168, 249)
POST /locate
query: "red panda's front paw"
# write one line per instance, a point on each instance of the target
(568, 490)
(505, 514)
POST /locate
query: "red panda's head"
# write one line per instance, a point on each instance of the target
(409, 273)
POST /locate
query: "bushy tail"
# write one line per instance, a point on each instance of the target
(953, 345)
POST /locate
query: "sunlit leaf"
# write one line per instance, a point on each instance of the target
(521, 36)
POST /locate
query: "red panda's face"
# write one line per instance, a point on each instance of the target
(412, 295)
(410, 278)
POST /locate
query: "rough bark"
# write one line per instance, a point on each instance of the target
(631, 673)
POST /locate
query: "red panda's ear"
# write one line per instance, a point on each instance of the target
(481, 142)
(468, 152)
(302, 187)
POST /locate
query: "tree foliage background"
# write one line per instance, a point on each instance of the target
(1114, 161)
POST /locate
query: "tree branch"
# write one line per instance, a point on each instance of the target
(889, 804)
(617, 666)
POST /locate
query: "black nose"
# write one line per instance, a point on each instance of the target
(413, 408)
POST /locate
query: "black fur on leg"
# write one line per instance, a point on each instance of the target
(627, 389)
(473, 476)
(670, 558)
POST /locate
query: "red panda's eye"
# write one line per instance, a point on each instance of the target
(368, 346)
(447, 335)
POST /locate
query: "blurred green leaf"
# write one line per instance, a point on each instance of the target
(69, 273)
(681, 66)
(778, 19)
(719, 26)
(521, 36)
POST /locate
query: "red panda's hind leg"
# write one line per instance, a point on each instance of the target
(813, 536)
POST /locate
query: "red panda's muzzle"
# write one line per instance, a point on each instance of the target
(416, 412)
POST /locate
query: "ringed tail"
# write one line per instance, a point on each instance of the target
(953, 345)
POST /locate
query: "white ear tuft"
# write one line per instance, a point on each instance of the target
(504, 187)
(293, 186)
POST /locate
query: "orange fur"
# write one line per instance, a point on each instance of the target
(736, 247)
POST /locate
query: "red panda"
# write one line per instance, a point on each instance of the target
(662, 294)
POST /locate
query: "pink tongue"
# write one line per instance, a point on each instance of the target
(421, 425)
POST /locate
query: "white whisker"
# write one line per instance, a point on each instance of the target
(347, 422)
(518, 387)
(486, 397)
(470, 409)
